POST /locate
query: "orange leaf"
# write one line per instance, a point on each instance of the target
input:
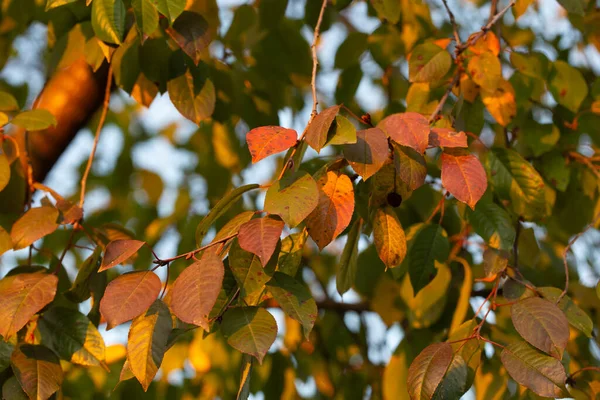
(33, 225)
(316, 133)
(128, 296)
(21, 296)
(464, 177)
(196, 289)
(118, 251)
(267, 140)
(369, 153)
(501, 102)
(38, 370)
(445, 137)
(335, 208)
(260, 236)
(408, 129)
(487, 42)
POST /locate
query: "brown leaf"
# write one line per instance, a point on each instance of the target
(445, 137)
(334, 211)
(191, 32)
(316, 133)
(196, 289)
(542, 324)
(33, 225)
(267, 140)
(118, 251)
(427, 370)
(128, 296)
(408, 129)
(369, 153)
(22, 296)
(464, 177)
(389, 238)
(38, 370)
(260, 236)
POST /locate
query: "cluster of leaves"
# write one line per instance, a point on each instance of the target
(418, 185)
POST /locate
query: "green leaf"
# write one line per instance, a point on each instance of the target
(126, 63)
(534, 64)
(219, 209)
(251, 330)
(170, 8)
(554, 168)
(350, 50)
(244, 390)
(22, 296)
(540, 138)
(293, 198)
(454, 384)
(194, 103)
(34, 120)
(80, 290)
(147, 342)
(8, 102)
(494, 262)
(575, 315)
(318, 130)
(469, 350)
(295, 300)
(429, 244)
(108, 20)
(538, 372)
(346, 273)
(493, 224)
(6, 349)
(427, 370)
(567, 85)
(249, 273)
(515, 180)
(11, 389)
(72, 336)
(341, 131)
(146, 17)
(428, 63)
(50, 4)
(486, 70)
(191, 32)
(38, 370)
(347, 85)
(410, 165)
(387, 9)
(196, 289)
(542, 324)
(573, 6)
(290, 254)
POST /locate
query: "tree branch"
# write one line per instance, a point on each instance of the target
(453, 22)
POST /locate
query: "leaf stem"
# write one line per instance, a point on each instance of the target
(189, 254)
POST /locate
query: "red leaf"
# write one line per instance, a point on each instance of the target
(128, 296)
(445, 137)
(334, 211)
(21, 296)
(369, 153)
(196, 289)
(267, 140)
(260, 236)
(316, 134)
(408, 129)
(464, 177)
(118, 251)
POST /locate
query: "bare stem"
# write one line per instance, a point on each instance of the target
(313, 47)
(190, 254)
(453, 22)
(97, 135)
(440, 105)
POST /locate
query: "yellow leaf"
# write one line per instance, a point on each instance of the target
(501, 102)
(463, 304)
(389, 237)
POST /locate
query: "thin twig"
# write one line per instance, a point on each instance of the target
(97, 135)
(453, 22)
(597, 369)
(566, 250)
(440, 105)
(516, 246)
(190, 254)
(313, 47)
(585, 161)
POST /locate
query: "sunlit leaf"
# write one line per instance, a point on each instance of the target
(316, 133)
(290, 255)
(146, 17)
(22, 296)
(33, 225)
(260, 236)
(446, 137)
(108, 20)
(567, 85)
(408, 129)
(233, 225)
(541, 323)
(427, 370)
(251, 330)
(195, 291)
(4, 171)
(191, 32)
(295, 300)
(388, 236)
(369, 153)
(128, 296)
(34, 120)
(38, 370)
(469, 350)
(463, 176)
(428, 63)
(72, 336)
(487, 43)
(486, 71)
(334, 210)
(575, 315)
(119, 251)
(267, 140)
(342, 131)
(410, 166)
(463, 304)
(194, 103)
(249, 272)
(501, 102)
(346, 273)
(293, 198)
(494, 262)
(170, 8)
(542, 374)
(147, 342)
(7, 100)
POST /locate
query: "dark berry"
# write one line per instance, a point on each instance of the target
(394, 199)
